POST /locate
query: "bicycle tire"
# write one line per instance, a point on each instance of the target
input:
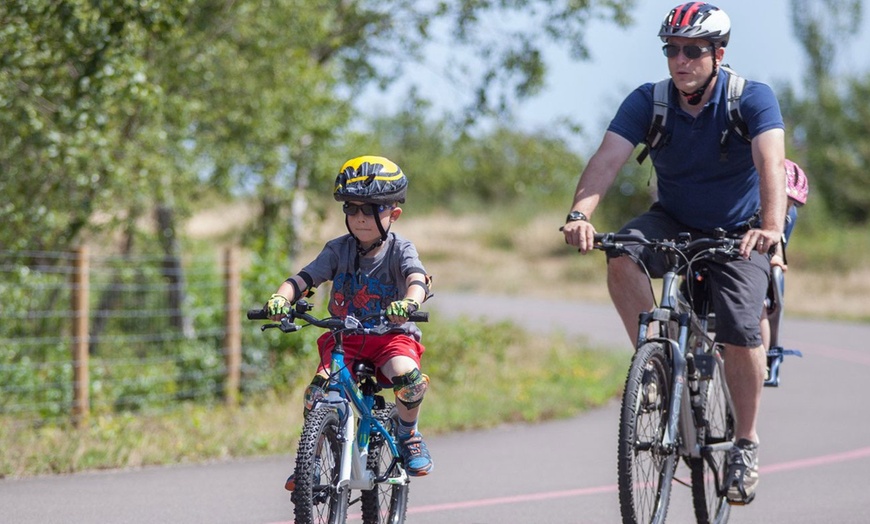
(709, 470)
(385, 503)
(318, 459)
(645, 468)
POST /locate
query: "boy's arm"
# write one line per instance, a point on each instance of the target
(417, 285)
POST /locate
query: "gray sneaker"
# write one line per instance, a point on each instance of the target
(742, 476)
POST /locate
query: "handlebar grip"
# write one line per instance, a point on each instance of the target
(419, 316)
(257, 314)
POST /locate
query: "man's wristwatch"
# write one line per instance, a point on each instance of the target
(574, 216)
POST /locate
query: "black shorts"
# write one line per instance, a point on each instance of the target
(738, 287)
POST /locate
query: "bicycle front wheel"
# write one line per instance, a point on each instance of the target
(385, 503)
(317, 499)
(645, 467)
(708, 471)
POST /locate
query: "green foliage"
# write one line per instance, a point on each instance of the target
(831, 125)
(113, 109)
(448, 168)
(472, 363)
(72, 82)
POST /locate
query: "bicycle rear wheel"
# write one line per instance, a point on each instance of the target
(385, 503)
(708, 471)
(316, 498)
(645, 468)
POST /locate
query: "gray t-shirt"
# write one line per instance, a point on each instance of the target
(371, 286)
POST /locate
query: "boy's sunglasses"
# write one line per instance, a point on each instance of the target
(691, 51)
(367, 209)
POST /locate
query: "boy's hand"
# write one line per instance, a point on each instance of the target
(400, 310)
(278, 306)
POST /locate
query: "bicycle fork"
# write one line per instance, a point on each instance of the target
(678, 360)
(353, 470)
(352, 473)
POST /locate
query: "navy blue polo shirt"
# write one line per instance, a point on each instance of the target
(694, 185)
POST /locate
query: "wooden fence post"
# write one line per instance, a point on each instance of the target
(233, 342)
(80, 339)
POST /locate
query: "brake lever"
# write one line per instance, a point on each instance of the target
(285, 326)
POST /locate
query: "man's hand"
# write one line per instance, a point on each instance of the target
(399, 311)
(580, 234)
(762, 240)
(278, 307)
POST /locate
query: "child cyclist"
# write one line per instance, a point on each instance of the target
(797, 189)
(371, 270)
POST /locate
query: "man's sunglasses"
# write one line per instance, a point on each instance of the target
(691, 51)
(367, 209)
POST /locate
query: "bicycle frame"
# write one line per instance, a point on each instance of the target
(343, 392)
(675, 308)
(347, 440)
(676, 402)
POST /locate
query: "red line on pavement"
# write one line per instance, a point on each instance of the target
(824, 460)
(513, 500)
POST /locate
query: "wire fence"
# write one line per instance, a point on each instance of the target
(83, 334)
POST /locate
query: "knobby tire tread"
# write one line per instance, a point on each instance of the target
(321, 428)
(641, 425)
(712, 507)
(384, 504)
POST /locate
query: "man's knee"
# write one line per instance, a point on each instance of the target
(410, 388)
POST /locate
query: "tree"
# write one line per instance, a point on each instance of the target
(831, 124)
(72, 86)
(113, 110)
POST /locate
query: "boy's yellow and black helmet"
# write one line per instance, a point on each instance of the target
(372, 179)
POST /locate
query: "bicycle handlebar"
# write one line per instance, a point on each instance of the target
(350, 323)
(685, 245)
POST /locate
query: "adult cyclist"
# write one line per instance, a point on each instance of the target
(701, 189)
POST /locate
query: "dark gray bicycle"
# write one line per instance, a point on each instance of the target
(676, 403)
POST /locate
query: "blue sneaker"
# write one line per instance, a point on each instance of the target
(415, 454)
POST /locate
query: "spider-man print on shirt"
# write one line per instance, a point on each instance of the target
(360, 295)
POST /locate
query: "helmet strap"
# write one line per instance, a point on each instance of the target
(695, 98)
(363, 251)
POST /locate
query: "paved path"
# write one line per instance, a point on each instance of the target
(815, 454)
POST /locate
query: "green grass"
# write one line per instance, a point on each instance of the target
(482, 375)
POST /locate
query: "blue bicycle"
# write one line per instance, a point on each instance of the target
(348, 438)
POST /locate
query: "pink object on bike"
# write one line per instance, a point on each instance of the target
(796, 184)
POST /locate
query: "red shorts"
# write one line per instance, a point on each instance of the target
(377, 349)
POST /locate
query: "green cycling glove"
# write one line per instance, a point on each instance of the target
(402, 308)
(278, 305)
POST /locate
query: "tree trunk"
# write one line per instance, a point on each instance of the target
(173, 270)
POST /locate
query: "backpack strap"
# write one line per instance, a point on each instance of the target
(657, 134)
(736, 124)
